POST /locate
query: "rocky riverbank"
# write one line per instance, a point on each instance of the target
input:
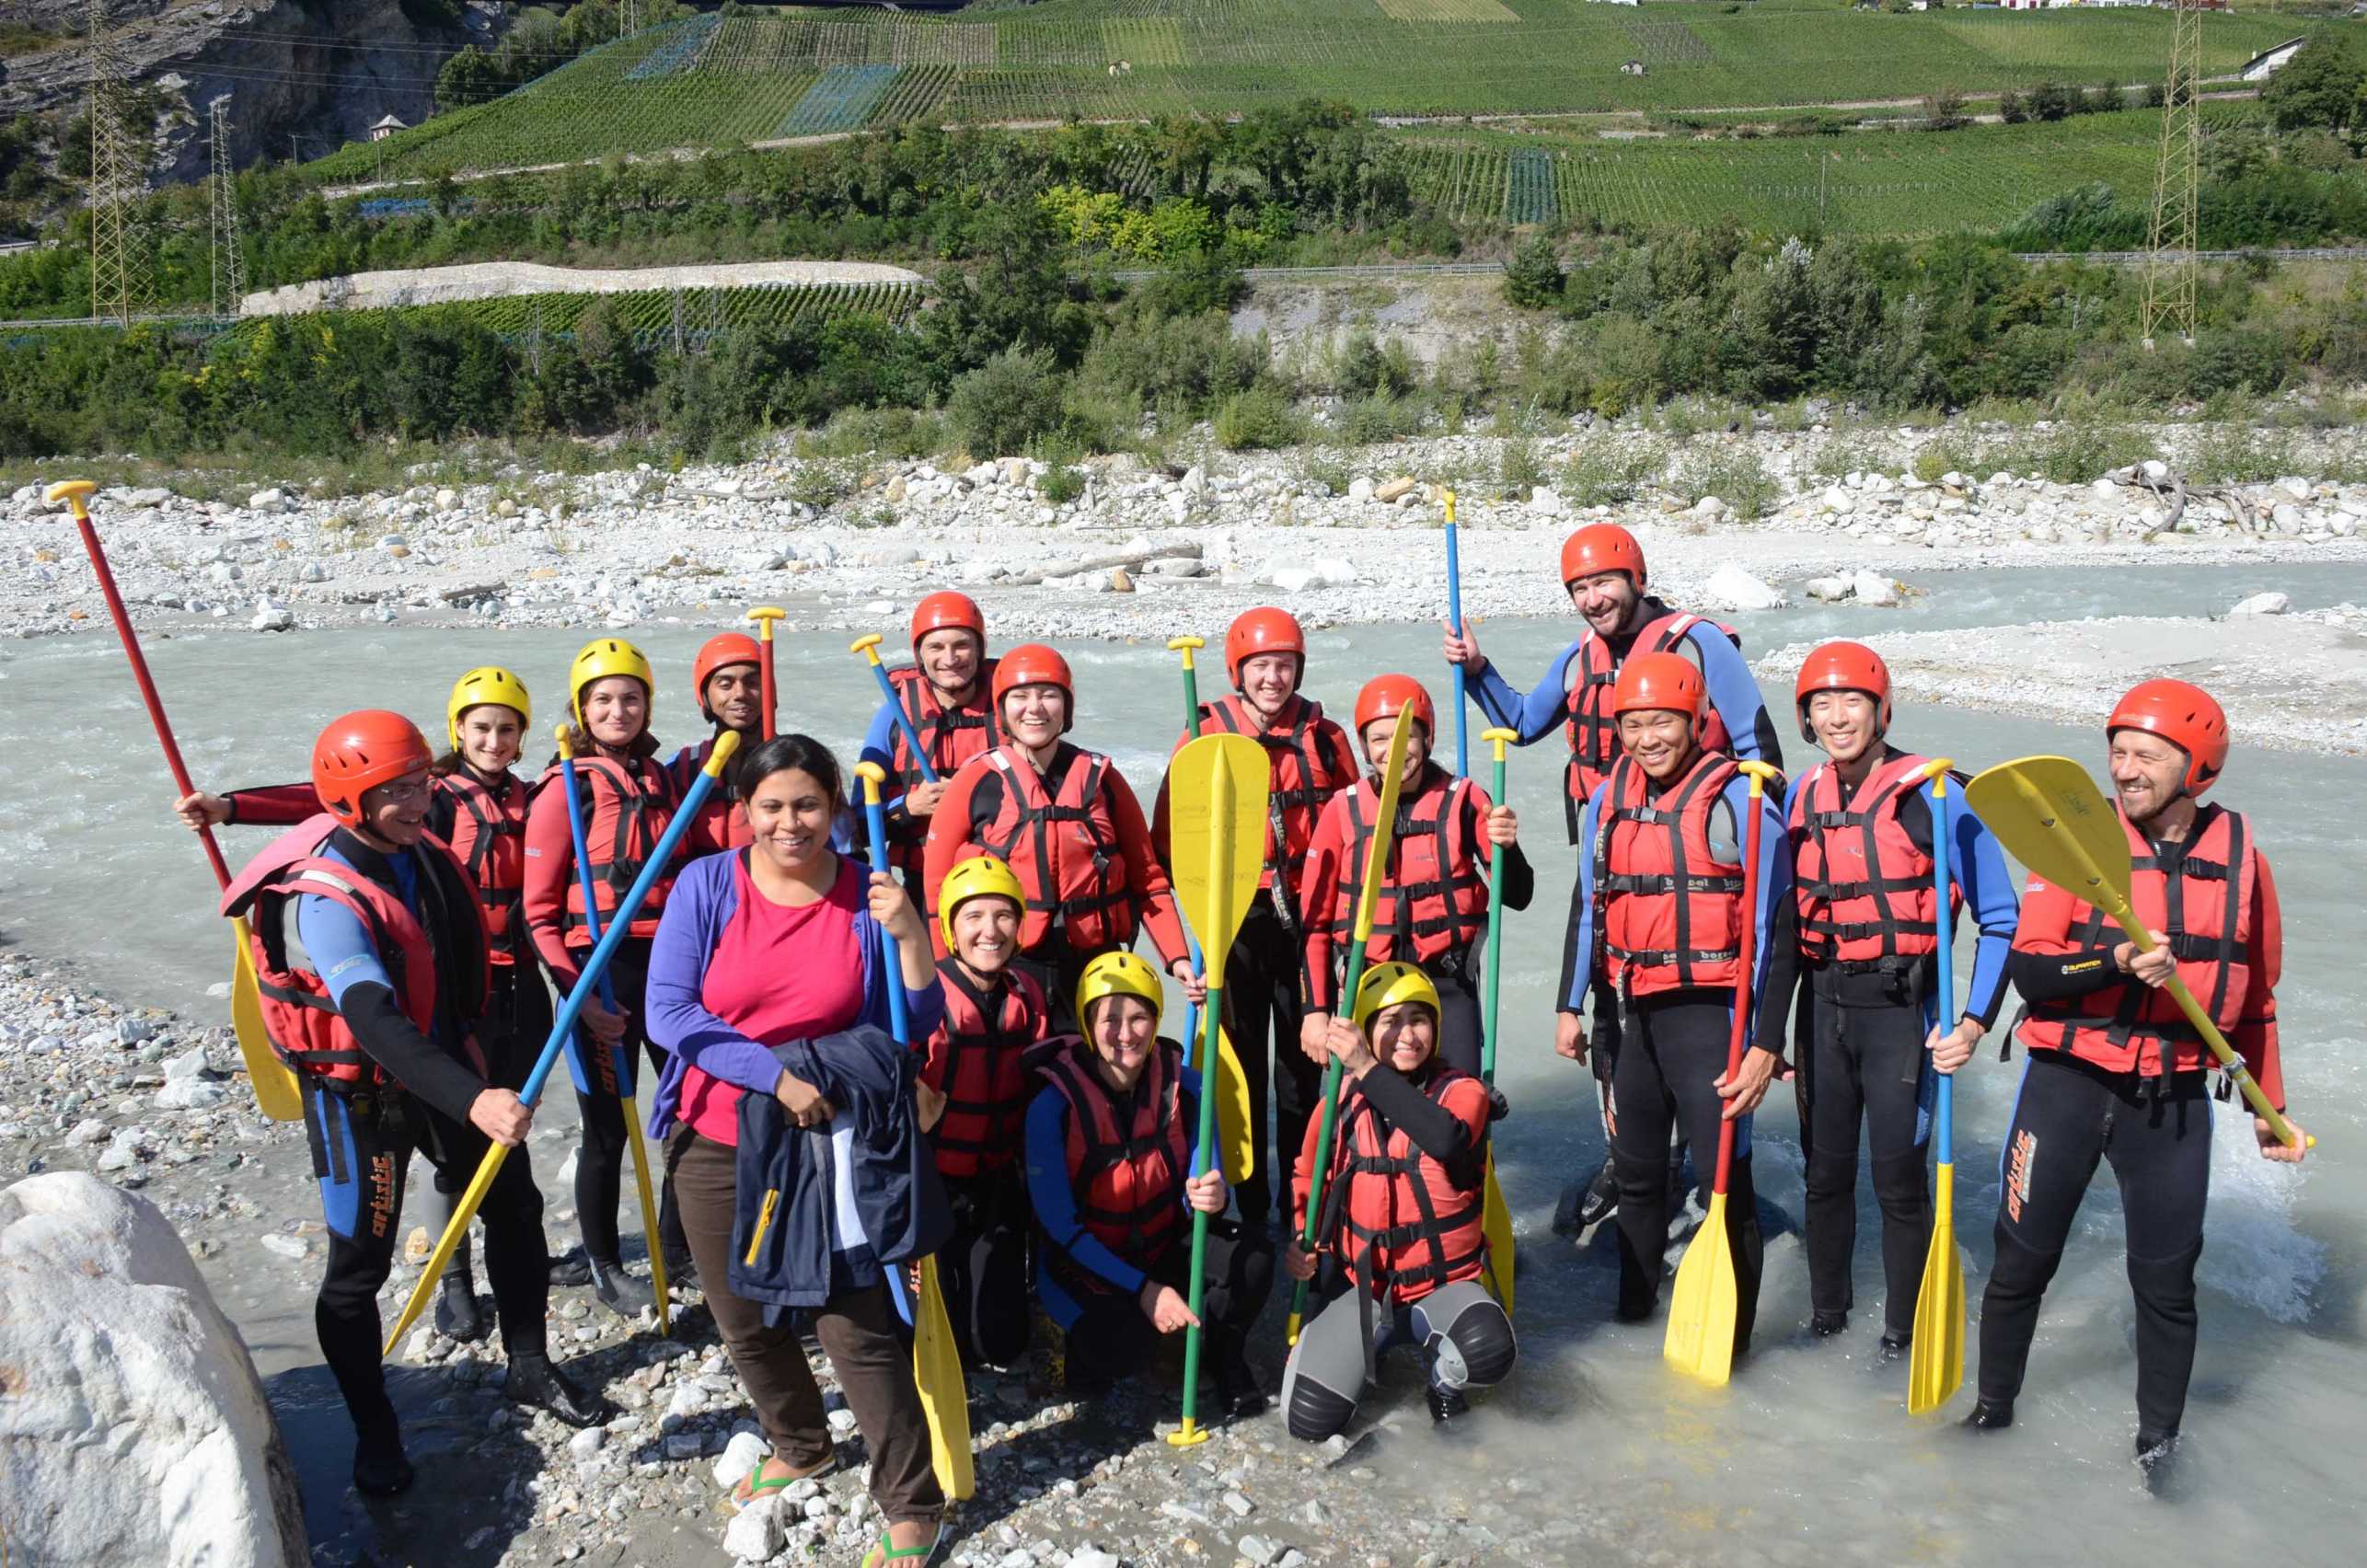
(1333, 535)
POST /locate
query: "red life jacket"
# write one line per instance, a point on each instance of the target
(722, 820)
(981, 1068)
(489, 839)
(1593, 729)
(1306, 775)
(1407, 1228)
(1433, 904)
(2209, 927)
(949, 736)
(305, 1030)
(1864, 886)
(1129, 1179)
(1668, 911)
(1064, 849)
(626, 809)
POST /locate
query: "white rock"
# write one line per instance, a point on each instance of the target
(90, 1130)
(1336, 571)
(136, 1429)
(1709, 509)
(190, 1094)
(446, 500)
(756, 1532)
(1733, 586)
(744, 1453)
(1839, 501)
(122, 1150)
(1196, 482)
(1176, 566)
(2287, 517)
(2267, 604)
(2103, 489)
(980, 473)
(591, 1440)
(273, 500)
(1295, 579)
(2154, 468)
(1873, 588)
(1829, 590)
(1545, 503)
(285, 1246)
(1360, 490)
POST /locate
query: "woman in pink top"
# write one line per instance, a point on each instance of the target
(766, 945)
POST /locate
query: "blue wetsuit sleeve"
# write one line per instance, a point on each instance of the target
(1977, 863)
(1773, 933)
(1735, 694)
(1534, 715)
(1056, 1204)
(339, 946)
(1580, 966)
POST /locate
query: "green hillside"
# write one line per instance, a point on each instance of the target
(716, 81)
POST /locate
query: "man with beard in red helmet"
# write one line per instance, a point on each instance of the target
(945, 696)
(728, 682)
(2114, 1072)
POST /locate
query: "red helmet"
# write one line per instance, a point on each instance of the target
(1383, 695)
(1843, 666)
(359, 751)
(1262, 631)
(1032, 663)
(946, 610)
(2184, 715)
(1602, 546)
(721, 651)
(1657, 683)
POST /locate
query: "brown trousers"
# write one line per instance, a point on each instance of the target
(859, 1330)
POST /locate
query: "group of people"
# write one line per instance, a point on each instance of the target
(974, 1037)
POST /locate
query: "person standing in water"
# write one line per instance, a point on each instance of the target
(1869, 1039)
(374, 1004)
(2113, 1070)
(1603, 571)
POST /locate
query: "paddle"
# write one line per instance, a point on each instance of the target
(1229, 1087)
(868, 645)
(1702, 1307)
(624, 1063)
(2049, 815)
(1935, 1366)
(764, 616)
(936, 1361)
(274, 1084)
(1217, 794)
(595, 966)
(1376, 866)
(1455, 672)
(1496, 1216)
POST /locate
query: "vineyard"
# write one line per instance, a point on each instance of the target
(726, 81)
(669, 317)
(1903, 182)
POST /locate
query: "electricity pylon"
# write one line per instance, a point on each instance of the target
(119, 267)
(229, 265)
(2170, 265)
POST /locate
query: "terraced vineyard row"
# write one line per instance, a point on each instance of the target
(657, 316)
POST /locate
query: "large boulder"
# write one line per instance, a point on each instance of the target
(132, 1426)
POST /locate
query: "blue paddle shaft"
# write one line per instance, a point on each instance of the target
(1942, 921)
(597, 966)
(899, 1021)
(592, 906)
(904, 722)
(1455, 672)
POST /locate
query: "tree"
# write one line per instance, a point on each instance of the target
(1533, 280)
(2009, 108)
(1943, 110)
(2049, 102)
(2318, 88)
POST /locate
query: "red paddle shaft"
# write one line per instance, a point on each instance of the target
(147, 685)
(1745, 955)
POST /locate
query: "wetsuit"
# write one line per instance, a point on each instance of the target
(1863, 1014)
(1671, 1047)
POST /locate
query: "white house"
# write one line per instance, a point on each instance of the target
(2259, 68)
(386, 128)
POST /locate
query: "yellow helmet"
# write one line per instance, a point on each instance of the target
(1118, 974)
(486, 683)
(979, 876)
(602, 657)
(1386, 984)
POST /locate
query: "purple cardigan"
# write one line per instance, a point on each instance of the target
(696, 909)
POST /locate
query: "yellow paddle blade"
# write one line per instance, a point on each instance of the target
(1702, 1307)
(275, 1087)
(1393, 772)
(937, 1366)
(649, 1217)
(1935, 1366)
(1213, 831)
(445, 1244)
(1495, 1219)
(1236, 1140)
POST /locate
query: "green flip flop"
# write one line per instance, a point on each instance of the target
(919, 1556)
(735, 1504)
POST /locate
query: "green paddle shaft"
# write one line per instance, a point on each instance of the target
(1203, 1159)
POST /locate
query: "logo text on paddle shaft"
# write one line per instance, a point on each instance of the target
(2018, 1165)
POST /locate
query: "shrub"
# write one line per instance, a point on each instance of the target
(1733, 474)
(1518, 467)
(1008, 401)
(2230, 453)
(1533, 280)
(1062, 481)
(1257, 419)
(1604, 473)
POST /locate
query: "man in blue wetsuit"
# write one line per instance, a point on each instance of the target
(1602, 567)
(371, 962)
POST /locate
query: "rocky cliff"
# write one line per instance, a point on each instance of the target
(302, 76)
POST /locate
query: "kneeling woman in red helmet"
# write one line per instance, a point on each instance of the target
(374, 1004)
(1065, 822)
(1870, 1042)
(945, 696)
(2116, 1073)
(1661, 913)
(628, 797)
(727, 678)
(1433, 908)
(1109, 1162)
(1402, 1213)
